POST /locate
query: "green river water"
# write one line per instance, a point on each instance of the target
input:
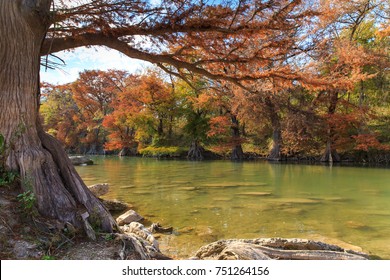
(211, 200)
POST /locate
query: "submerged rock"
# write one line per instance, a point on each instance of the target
(99, 189)
(357, 225)
(207, 234)
(289, 201)
(115, 205)
(156, 227)
(81, 160)
(128, 217)
(255, 193)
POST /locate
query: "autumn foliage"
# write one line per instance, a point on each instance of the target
(284, 79)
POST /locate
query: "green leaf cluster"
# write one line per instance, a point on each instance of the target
(27, 200)
(162, 151)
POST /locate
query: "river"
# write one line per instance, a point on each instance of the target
(211, 200)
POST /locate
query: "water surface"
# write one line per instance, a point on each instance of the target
(207, 201)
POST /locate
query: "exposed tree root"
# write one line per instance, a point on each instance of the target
(276, 248)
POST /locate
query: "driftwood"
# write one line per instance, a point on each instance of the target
(132, 248)
(138, 244)
(142, 232)
(275, 248)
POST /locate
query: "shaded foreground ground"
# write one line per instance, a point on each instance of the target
(25, 236)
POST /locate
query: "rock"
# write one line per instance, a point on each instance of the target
(80, 160)
(221, 185)
(357, 225)
(115, 205)
(288, 201)
(142, 192)
(156, 227)
(99, 189)
(336, 199)
(275, 248)
(222, 198)
(225, 185)
(186, 230)
(255, 193)
(207, 234)
(128, 217)
(252, 184)
(294, 211)
(187, 188)
(26, 250)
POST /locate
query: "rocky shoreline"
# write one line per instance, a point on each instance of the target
(23, 237)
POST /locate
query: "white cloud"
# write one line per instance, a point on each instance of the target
(87, 59)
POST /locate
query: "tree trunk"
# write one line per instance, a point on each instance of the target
(39, 158)
(160, 128)
(237, 152)
(330, 154)
(124, 152)
(361, 94)
(275, 152)
(94, 148)
(196, 151)
(170, 127)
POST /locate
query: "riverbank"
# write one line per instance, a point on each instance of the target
(32, 237)
(29, 236)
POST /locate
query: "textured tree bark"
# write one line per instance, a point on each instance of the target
(41, 161)
(275, 248)
(237, 152)
(275, 152)
(247, 251)
(330, 154)
(196, 151)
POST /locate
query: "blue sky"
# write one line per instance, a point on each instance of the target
(90, 58)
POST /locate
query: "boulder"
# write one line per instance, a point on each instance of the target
(80, 160)
(128, 217)
(99, 189)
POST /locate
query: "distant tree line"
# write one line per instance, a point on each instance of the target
(310, 84)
